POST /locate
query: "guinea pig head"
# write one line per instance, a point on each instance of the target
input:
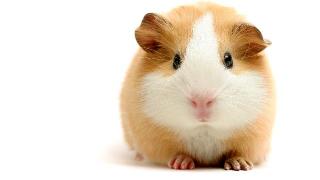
(201, 68)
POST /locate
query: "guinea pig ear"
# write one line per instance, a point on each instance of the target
(248, 40)
(153, 32)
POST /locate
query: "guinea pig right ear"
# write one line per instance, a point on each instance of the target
(153, 32)
(248, 40)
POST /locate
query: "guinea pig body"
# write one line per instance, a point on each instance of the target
(199, 91)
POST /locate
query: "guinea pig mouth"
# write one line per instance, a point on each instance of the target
(203, 120)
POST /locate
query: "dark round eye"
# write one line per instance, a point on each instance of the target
(176, 62)
(227, 60)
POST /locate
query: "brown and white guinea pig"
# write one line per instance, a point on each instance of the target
(199, 92)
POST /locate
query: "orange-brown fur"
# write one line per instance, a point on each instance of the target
(158, 143)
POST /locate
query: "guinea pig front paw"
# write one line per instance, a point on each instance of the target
(181, 162)
(237, 164)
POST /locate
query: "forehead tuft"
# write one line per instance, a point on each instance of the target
(203, 31)
(203, 42)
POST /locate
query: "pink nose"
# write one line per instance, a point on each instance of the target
(202, 105)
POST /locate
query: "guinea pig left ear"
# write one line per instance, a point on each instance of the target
(248, 40)
(153, 32)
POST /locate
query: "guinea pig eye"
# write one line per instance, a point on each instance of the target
(227, 60)
(176, 62)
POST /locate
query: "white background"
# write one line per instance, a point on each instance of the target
(62, 63)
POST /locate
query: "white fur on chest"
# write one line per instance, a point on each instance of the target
(203, 144)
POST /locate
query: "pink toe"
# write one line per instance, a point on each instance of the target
(191, 165)
(177, 163)
(185, 163)
(171, 162)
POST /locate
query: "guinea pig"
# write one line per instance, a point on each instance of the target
(199, 91)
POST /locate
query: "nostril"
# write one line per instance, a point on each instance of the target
(209, 103)
(194, 103)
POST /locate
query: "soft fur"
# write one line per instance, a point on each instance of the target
(157, 117)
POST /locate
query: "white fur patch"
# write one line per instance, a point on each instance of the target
(238, 98)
